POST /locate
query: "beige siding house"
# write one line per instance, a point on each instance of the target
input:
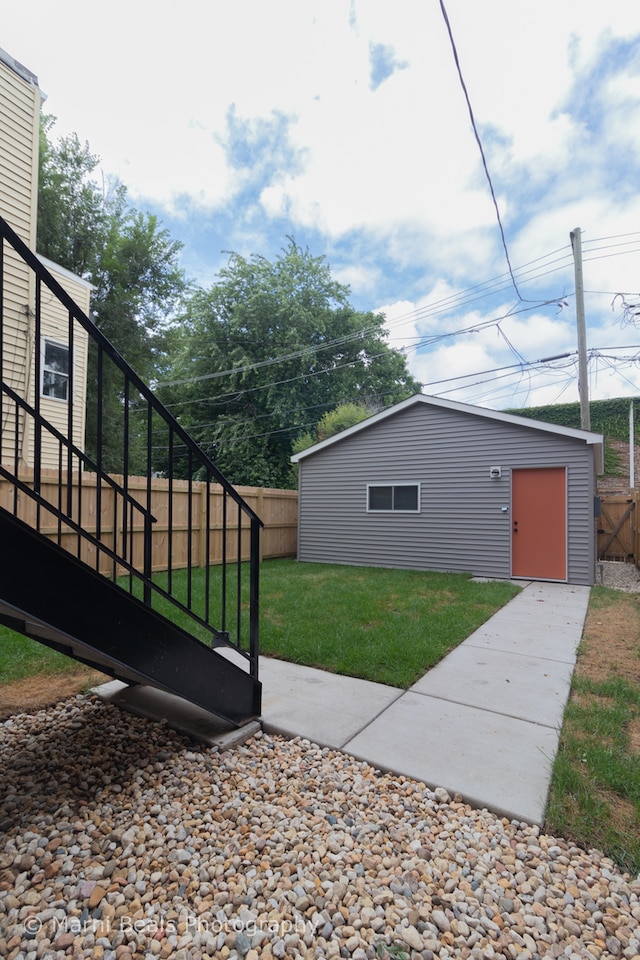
(20, 102)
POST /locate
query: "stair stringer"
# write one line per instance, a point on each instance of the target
(51, 596)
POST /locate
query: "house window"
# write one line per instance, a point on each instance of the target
(55, 370)
(396, 497)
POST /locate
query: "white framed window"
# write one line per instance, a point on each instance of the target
(56, 368)
(393, 498)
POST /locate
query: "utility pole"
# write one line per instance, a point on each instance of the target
(583, 374)
(632, 449)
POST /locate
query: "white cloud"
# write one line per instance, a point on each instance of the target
(388, 173)
(401, 323)
(356, 275)
(152, 97)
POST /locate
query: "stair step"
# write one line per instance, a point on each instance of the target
(178, 713)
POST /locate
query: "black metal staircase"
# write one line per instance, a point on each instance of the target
(116, 595)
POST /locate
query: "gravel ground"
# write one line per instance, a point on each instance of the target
(620, 576)
(122, 839)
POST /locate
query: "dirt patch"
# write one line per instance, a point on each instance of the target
(35, 693)
(634, 736)
(612, 639)
(622, 813)
(274, 618)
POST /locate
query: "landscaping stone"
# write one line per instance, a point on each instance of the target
(274, 848)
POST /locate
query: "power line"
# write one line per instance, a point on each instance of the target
(534, 366)
(480, 147)
(436, 308)
(491, 376)
(615, 236)
(423, 341)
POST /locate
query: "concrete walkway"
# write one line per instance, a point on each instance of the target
(484, 722)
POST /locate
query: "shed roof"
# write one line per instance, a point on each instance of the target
(591, 439)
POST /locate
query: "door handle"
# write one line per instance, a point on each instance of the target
(515, 526)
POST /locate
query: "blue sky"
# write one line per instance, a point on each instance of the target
(344, 125)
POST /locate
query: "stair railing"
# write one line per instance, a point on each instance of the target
(86, 502)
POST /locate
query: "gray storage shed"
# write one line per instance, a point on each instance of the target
(433, 484)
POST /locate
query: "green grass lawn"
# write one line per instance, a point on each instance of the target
(390, 626)
(595, 789)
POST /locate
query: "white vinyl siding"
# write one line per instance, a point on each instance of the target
(20, 100)
(19, 137)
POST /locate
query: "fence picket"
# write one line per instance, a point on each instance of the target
(277, 508)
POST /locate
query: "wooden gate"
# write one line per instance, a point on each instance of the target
(618, 529)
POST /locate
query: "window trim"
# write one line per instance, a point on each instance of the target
(393, 484)
(43, 368)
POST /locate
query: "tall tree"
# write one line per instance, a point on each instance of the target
(333, 421)
(72, 210)
(129, 258)
(268, 350)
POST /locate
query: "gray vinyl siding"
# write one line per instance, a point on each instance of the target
(460, 526)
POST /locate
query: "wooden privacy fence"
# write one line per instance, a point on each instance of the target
(618, 533)
(278, 509)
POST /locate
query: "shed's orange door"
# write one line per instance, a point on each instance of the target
(539, 523)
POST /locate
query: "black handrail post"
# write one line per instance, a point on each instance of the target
(207, 548)
(223, 599)
(189, 528)
(37, 437)
(148, 520)
(60, 451)
(2, 343)
(16, 462)
(239, 582)
(147, 563)
(99, 450)
(130, 534)
(70, 411)
(79, 513)
(125, 466)
(254, 598)
(170, 516)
